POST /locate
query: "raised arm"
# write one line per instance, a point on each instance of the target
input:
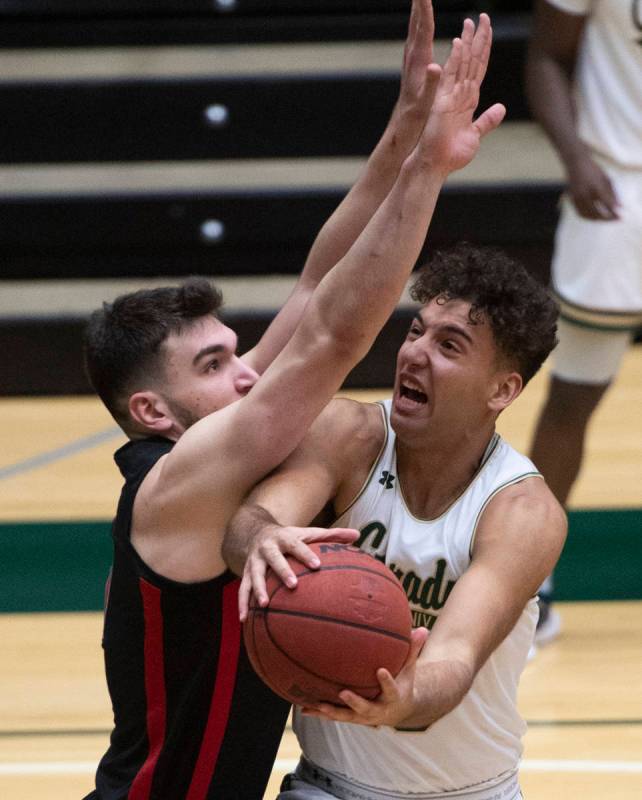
(518, 542)
(217, 460)
(418, 85)
(551, 63)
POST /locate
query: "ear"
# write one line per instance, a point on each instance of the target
(507, 387)
(150, 411)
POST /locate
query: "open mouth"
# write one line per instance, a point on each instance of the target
(415, 395)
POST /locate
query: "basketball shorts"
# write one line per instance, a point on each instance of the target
(588, 355)
(311, 783)
(597, 266)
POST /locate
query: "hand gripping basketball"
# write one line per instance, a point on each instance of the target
(343, 622)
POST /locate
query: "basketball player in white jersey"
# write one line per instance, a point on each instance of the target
(465, 522)
(584, 81)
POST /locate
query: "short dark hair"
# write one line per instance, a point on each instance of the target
(123, 339)
(521, 313)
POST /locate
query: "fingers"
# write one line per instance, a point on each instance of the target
(418, 639)
(490, 119)
(245, 589)
(599, 202)
(343, 535)
(425, 29)
(467, 35)
(328, 711)
(451, 67)
(278, 563)
(255, 570)
(481, 45)
(362, 707)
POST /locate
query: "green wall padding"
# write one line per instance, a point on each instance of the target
(62, 566)
(58, 566)
(602, 559)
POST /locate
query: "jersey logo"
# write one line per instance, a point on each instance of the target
(387, 479)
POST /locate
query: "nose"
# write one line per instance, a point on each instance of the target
(246, 378)
(416, 353)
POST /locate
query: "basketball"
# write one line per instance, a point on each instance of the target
(341, 623)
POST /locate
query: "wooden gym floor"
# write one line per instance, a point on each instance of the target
(582, 695)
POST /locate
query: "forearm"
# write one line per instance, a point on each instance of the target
(364, 198)
(439, 688)
(248, 522)
(356, 298)
(550, 95)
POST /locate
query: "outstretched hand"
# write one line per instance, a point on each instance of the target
(419, 75)
(451, 137)
(395, 703)
(269, 549)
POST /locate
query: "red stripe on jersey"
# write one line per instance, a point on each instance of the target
(154, 689)
(222, 695)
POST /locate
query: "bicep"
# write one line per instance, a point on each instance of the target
(519, 539)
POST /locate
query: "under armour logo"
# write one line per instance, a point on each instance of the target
(386, 479)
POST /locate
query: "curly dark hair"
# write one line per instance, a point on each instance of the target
(521, 313)
(123, 339)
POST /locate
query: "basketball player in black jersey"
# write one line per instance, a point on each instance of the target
(191, 719)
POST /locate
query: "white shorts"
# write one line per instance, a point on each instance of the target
(597, 266)
(588, 355)
(310, 782)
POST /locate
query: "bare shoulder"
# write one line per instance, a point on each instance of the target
(525, 518)
(351, 427)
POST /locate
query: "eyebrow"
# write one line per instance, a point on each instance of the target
(210, 350)
(450, 328)
(457, 330)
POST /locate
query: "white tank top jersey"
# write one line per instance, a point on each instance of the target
(609, 78)
(479, 742)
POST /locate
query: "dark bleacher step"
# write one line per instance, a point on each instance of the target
(216, 117)
(236, 232)
(67, 23)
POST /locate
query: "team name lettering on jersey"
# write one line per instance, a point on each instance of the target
(428, 594)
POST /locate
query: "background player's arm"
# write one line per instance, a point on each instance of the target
(552, 58)
(408, 119)
(518, 542)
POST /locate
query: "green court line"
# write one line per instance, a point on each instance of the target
(62, 566)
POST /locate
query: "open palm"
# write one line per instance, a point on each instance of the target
(451, 137)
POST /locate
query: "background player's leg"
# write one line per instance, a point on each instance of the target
(558, 444)
(584, 365)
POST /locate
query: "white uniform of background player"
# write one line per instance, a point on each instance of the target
(584, 80)
(597, 268)
(474, 750)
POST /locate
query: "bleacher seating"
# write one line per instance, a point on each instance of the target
(157, 119)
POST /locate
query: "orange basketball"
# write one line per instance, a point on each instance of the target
(341, 623)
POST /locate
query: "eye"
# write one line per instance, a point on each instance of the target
(414, 331)
(213, 365)
(449, 344)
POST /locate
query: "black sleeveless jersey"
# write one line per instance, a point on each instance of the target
(192, 721)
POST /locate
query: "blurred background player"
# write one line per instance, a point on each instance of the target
(584, 83)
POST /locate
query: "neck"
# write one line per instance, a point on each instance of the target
(432, 476)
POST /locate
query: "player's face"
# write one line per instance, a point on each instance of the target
(203, 373)
(447, 370)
